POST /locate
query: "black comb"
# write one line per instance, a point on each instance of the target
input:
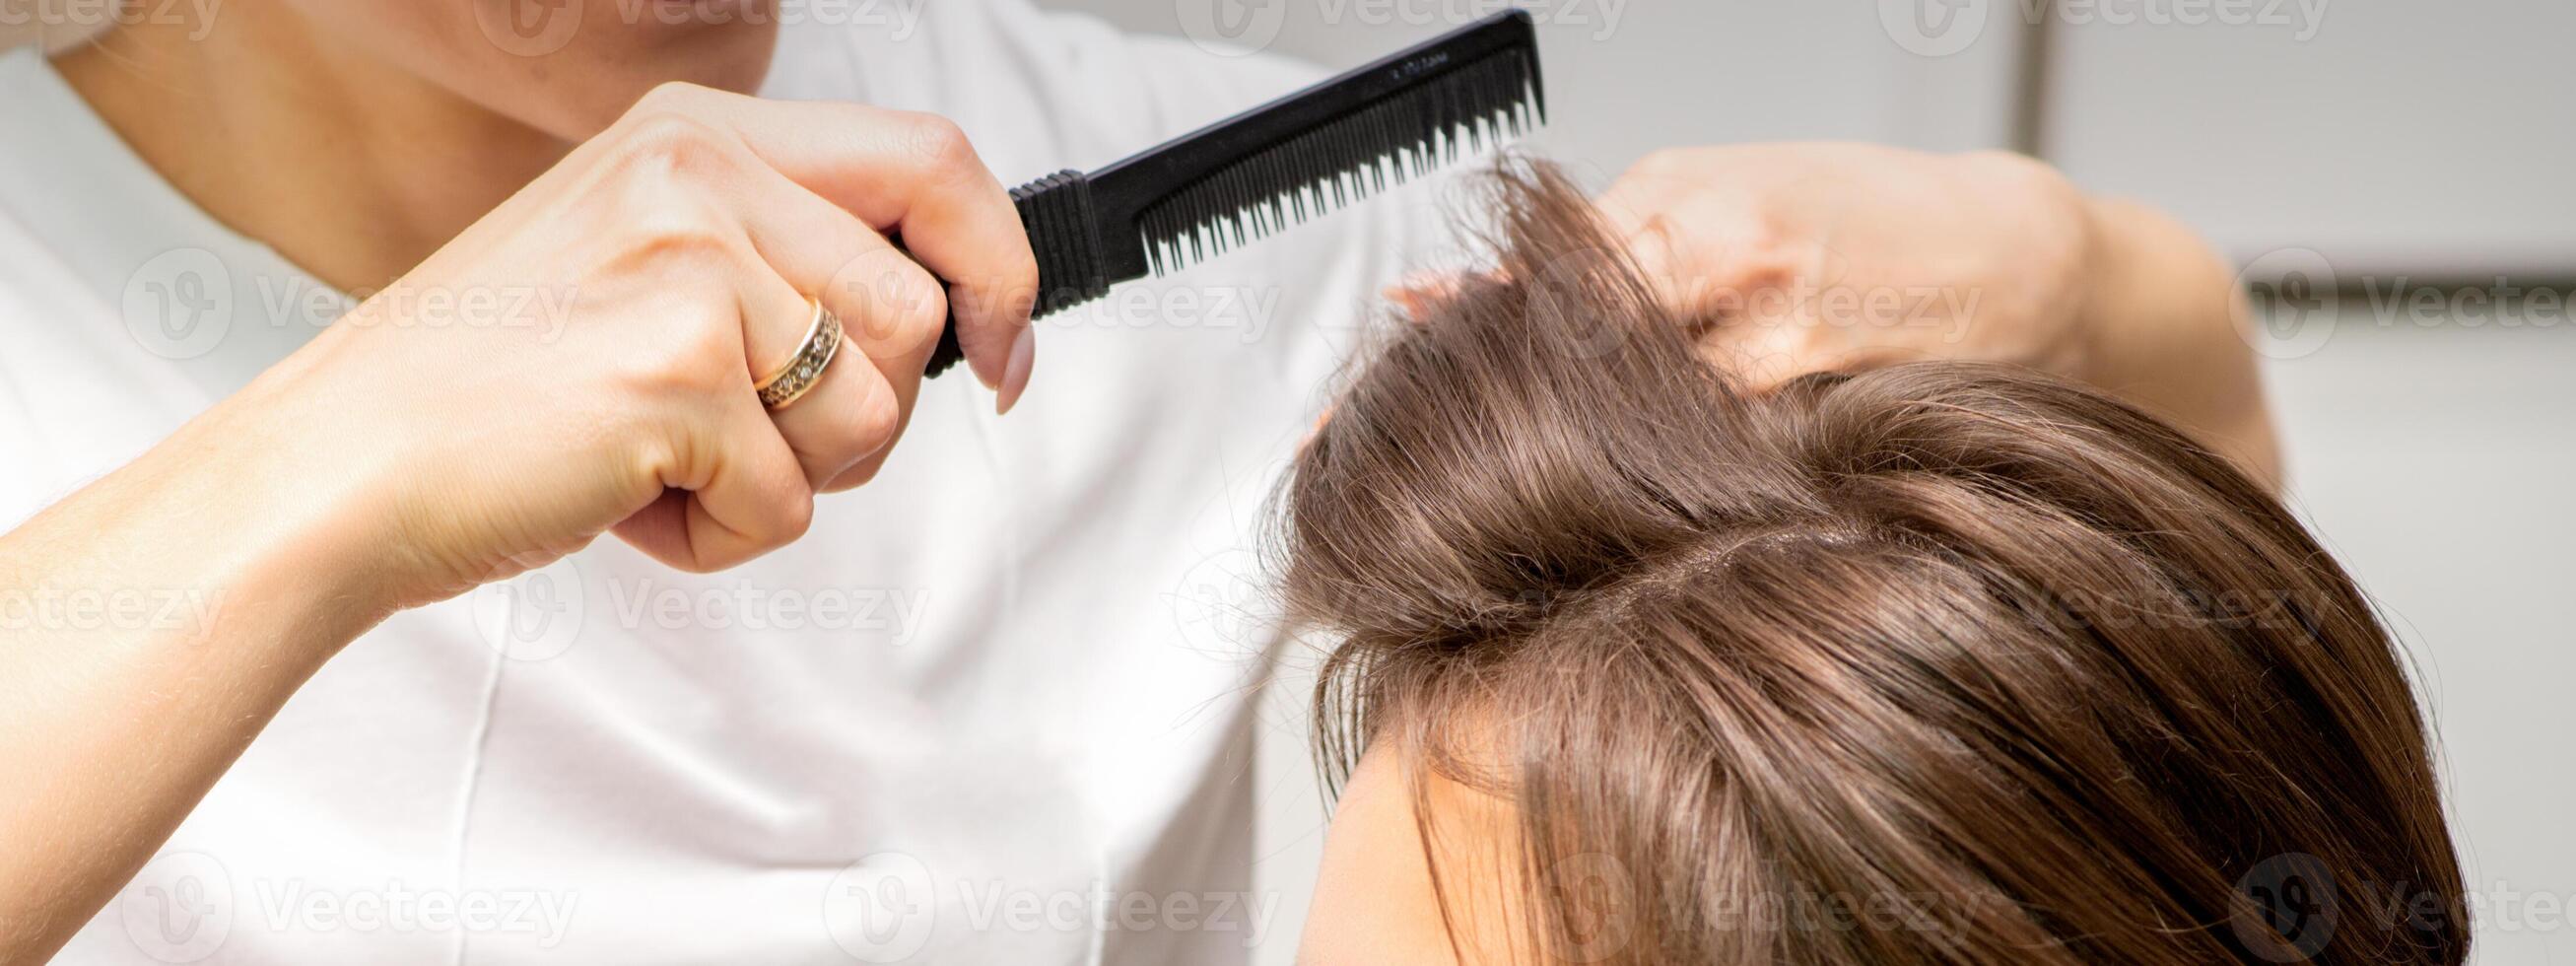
(1302, 156)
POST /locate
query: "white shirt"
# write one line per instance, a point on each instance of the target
(932, 731)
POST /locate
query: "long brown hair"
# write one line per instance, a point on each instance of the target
(1938, 663)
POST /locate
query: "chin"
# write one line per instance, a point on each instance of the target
(577, 91)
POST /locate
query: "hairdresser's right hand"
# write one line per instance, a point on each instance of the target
(455, 429)
(686, 241)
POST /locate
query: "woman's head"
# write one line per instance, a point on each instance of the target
(1935, 663)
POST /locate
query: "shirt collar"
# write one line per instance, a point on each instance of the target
(221, 307)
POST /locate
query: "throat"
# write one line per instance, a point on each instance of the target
(345, 165)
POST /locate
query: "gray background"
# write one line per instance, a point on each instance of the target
(2415, 147)
(2382, 145)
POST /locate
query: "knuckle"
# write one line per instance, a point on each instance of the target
(2011, 167)
(679, 238)
(856, 476)
(786, 511)
(700, 563)
(919, 313)
(852, 433)
(692, 365)
(1664, 161)
(655, 215)
(680, 385)
(670, 97)
(873, 423)
(669, 142)
(900, 308)
(1996, 158)
(941, 142)
(2048, 199)
(795, 514)
(675, 231)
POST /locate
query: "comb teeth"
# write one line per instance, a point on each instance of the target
(1410, 134)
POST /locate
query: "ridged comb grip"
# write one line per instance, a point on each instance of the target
(1064, 232)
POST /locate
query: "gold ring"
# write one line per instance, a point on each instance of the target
(805, 370)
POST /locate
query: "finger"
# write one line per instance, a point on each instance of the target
(1767, 352)
(912, 175)
(850, 412)
(737, 492)
(1705, 254)
(891, 310)
(1419, 296)
(895, 312)
(903, 311)
(1322, 420)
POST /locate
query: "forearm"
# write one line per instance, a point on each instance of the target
(2163, 328)
(156, 620)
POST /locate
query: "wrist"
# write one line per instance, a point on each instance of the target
(2147, 282)
(252, 500)
(160, 562)
(2164, 329)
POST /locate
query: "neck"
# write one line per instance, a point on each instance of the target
(353, 170)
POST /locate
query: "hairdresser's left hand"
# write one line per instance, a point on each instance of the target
(1801, 257)
(1798, 258)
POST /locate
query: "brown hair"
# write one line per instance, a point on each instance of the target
(1938, 663)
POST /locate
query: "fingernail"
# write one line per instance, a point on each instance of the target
(985, 372)
(1015, 377)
